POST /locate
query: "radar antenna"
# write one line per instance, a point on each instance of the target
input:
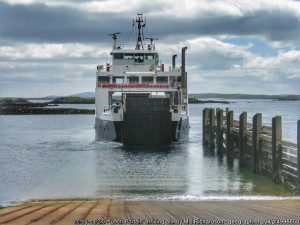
(114, 37)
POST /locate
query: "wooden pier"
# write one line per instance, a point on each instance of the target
(153, 212)
(257, 147)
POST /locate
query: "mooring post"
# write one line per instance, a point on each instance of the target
(229, 118)
(276, 149)
(227, 110)
(219, 129)
(242, 141)
(298, 153)
(256, 136)
(204, 126)
(211, 127)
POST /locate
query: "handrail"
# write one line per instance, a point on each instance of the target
(134, 85)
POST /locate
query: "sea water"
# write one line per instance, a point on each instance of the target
(57, 157)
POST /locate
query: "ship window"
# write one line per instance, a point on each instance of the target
(118, 80)
(139, 58)
(103, 80)
(133, 80)
(149, 56)
(160, 80)
(118, 56)
(147, 80)
(128, 56)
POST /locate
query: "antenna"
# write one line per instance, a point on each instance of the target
(141, 24)
(151, 41)
(114, 36)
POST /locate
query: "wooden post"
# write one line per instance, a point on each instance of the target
(211, 127)
(204, 126)
(229, 118)
(298, 152)
(219, 129)
(227, 110)
(256, 136)
(276, 149)
(242, 141)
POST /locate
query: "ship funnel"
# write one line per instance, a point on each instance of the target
(183, 74)
(183, 59)
(174, 61)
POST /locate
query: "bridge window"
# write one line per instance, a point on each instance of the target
(128, 56)
(118, 80)
(102, 80)
(146, 80)
(118, 56)
(139, 58)
(133, 80)
(160, 80)
(149, 56)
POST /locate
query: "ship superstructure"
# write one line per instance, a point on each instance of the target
(139, 101)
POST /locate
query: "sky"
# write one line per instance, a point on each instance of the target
(52, 47)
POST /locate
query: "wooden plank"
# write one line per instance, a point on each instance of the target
(289, 150)
(298, 153)
(289, 157)
(289, 144)
(118, 211)
(266, 138)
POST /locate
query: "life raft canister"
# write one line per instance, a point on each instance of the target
(151, 68)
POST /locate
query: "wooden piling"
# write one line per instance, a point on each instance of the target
(204, 126)
(276, 149)
(298, 154)
(211, 127)
(271, 156)
(256, 135)
(219, 129)
(229, 118)
(242, 139)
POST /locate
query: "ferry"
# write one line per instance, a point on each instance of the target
(138, 101)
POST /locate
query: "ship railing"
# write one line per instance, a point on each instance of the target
(135, 85)
(133, 47)
(157, 68)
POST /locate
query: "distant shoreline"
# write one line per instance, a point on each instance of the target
(22, 106)
(91, 95)
(42, 111)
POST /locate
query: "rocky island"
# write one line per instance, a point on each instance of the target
(20, 106)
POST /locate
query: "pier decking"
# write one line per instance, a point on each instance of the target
(153, 212)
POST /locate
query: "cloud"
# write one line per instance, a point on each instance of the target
(90, 21)
(225, 67)
(48, 51)
(61, 42)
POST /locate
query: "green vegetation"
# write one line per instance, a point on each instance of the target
(12, 101)
(73, 100)
(244, 96)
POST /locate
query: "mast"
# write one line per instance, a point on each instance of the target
(141, 23)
